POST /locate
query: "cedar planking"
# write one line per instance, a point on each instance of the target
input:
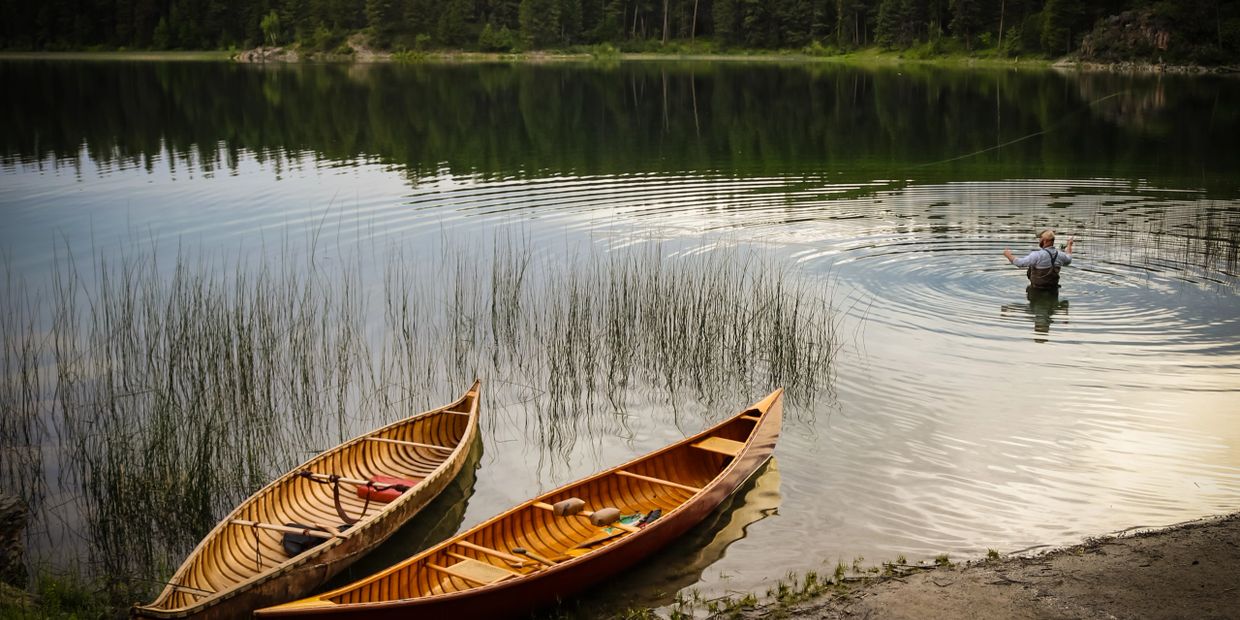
(474, 573)
(241, 565)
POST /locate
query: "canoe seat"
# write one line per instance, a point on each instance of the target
(719, 445)
(473, 571)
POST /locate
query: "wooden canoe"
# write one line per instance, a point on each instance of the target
(529, 557)
(243, 564)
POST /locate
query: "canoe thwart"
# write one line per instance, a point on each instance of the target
(492, 552)
(588, 514)
(719, 445)
(412, 444)
(473, 571)
(286, 529)
(465, 558)
(666, 483)
(317, 477)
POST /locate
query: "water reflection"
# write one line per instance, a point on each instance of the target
(1043, 305)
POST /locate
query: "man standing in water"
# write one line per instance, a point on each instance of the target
(1042, 265)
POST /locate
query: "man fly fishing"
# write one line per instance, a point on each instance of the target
(1042, 265)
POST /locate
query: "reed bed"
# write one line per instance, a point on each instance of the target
(1200, 245)
(166, 393)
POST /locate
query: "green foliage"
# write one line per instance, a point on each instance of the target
(161, 39)
(1204, 31)
(540, 22)
(383, 19)
(452, 30)
(493, 40)
(271, 28)
(898, 23)
(1056, 26)
(322, 39)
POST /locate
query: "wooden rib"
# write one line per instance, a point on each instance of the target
(751, 418)
(666, 483)
(286, 529)
(410, 443)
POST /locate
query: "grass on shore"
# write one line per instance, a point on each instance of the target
(871, 56)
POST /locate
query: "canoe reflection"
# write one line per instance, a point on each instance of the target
(440, 519)
(656, 580)
(1043, 305)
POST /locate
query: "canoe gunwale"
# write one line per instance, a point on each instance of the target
(450, 461)
(650, 531)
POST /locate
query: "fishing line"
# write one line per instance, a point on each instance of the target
(1022, 138)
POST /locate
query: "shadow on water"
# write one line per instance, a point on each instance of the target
(656, 580)
(1042, 306)
(438, 520)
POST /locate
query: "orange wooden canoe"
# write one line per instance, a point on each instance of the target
(531, 555)
(287, 539)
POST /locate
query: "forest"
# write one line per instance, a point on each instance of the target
(1185, 31)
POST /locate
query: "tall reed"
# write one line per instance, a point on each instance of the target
(166, 393)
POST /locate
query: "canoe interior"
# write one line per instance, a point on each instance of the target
(233, 555)
(459, 565)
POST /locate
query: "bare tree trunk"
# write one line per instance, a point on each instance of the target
(665, 32)
(1002, 7)
(693, 26)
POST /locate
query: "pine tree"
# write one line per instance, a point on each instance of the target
(381, 17)
(966, 20)
(540, 22)
(451, 29)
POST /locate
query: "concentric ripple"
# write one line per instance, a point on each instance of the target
(966, 414)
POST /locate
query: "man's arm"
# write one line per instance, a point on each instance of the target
(1024, 261)
(1068, 248)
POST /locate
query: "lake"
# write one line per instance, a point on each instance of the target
(951, 412)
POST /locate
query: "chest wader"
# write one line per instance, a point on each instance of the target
(1045, 278)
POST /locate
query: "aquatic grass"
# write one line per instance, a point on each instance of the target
(168, 390)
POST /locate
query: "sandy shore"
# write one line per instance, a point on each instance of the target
(1190, 570)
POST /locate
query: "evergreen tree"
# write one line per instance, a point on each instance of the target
(382, 18)
(726, 22)
(899, 23)
(540, 22)
(451, 29)
(966, 20)
(1056, 26)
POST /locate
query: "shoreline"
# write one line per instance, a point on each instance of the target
(1185, 570)
(864, 58)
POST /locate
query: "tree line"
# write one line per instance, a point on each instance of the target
(540, 120)
(1211, 28)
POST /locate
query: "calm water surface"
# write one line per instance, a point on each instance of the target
(964, 415)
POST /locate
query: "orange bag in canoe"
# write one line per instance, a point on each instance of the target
(387, 488)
